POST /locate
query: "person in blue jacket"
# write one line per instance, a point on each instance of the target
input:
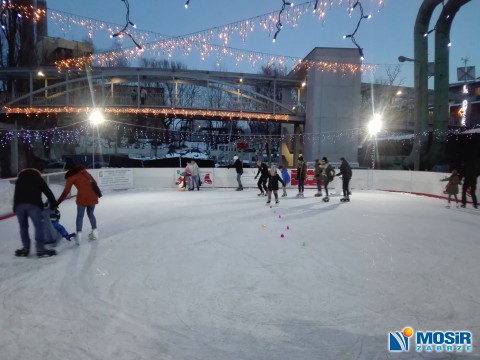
(285, 177)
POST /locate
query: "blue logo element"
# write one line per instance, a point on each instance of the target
(397, 341)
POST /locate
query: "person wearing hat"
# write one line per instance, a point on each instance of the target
(239, 169)
(301, 176)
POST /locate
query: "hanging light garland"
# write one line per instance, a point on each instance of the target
(352, 35)
(128, 23)
(200, 41)
(279, 25)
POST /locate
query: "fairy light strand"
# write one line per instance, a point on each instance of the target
(279, 25)
(128, 23)
(352, 35)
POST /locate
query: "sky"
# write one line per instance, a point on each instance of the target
(208, 275)
(384, 37)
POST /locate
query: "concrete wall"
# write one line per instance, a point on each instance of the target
(332, 105)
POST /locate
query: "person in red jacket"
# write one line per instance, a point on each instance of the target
(79, 177)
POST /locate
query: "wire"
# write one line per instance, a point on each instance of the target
(127, 24)
(279, 22)
(352, 35)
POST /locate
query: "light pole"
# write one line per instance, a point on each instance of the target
(420, 102)
(95, 118)
(374, 126)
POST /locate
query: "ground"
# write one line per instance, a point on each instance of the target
(208, 275)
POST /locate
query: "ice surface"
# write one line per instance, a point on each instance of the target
(207, 275)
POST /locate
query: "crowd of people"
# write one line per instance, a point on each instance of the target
(29, 187)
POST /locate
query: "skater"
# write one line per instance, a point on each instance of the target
(86, 199)
(469, 175)
(285, 178)
(188, 176)
(262, 182)
(54, 216)
(239, 169)
(326, 176)
(195, 175)
(133, 95)
(143, 96)
(273, 179)
(452, 186)
(301, 176)
(319, 167)
(27, 203)
(346, 174)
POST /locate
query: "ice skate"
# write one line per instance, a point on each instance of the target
(284, 194)
(240, 188)
(71, 236)
(345, 199)
(318, 194)
(463, 205)
(268, 201)
(277, 201)
(77, 238)
(261, 194)
(326, 199)
(448, 206)
(46, 253)
(23, 252)
(93, 235)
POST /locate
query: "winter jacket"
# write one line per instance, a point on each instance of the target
(345, 170)
(327, 173)
(285, 175)
(238, 166)
(263, 168)
(302, 172)
(273, 181)
(29, 188)
(82, 180)
(452, 185)
(195, 170)
(318, 169)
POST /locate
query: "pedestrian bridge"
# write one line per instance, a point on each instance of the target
(169, 93)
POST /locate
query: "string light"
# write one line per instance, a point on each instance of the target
(200, 41)
(352, 36)
(128, 23)
(279, 22)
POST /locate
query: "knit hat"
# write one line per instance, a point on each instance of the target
(235, 157)
(325, 159)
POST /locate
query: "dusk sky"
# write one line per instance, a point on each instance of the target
(388, 34)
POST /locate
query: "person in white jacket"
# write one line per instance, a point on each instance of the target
(195, 175)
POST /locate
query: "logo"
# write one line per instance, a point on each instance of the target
(430, 341)
(399, 341)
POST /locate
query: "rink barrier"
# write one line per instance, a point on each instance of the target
(112, 179)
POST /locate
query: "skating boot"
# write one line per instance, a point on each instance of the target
(268, 201)
(46, 253)
(277, 201)
(326, 199)
(261, 194)
(71, 236)
(77, 238)
(345, 199)
(23, 252)
(318, 194)
(284, 194)
(93, 235)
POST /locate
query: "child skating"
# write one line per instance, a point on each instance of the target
(452, 186)
(273, 180)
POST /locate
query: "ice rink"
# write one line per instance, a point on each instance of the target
(219, 275)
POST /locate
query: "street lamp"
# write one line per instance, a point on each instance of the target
(420, 106)
(374, 126)
(96, 118)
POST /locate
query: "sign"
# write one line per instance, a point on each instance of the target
(115, 179)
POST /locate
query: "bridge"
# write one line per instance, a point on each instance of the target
(169, 93)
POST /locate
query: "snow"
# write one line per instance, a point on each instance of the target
(207, 275)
